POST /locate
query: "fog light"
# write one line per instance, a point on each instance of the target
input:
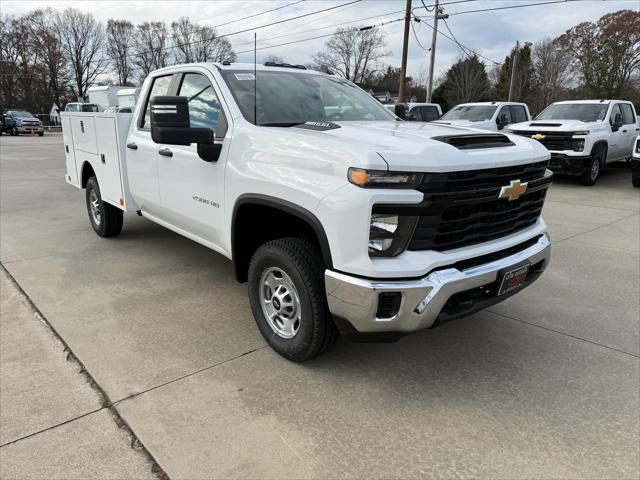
(389, 234)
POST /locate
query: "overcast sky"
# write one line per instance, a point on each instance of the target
(491, 33)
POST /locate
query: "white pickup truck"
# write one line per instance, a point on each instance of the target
(584, 135)
(341, 217)
(491, 116)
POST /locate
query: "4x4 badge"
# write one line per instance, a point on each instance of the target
(513, 190)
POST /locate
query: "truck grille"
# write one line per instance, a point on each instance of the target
(462, 208)
(552, 140)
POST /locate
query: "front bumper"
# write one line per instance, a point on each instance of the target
(442, 295)
(30, 128)
(568, 164)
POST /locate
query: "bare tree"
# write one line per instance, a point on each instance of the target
(120, 35)
(551, 73)
(82, 39)
(273, 59)
(353, 53)
(10, 50)
(150, 49)
(198, 43)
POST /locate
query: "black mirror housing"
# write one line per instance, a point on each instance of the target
(400, 110)
(170, 122)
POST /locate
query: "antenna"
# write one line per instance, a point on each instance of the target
(255, 79)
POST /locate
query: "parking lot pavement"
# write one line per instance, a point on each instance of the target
(544, 385)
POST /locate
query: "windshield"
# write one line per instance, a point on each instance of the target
(583, 112)
(20, 114)
(290, 98)
(472, 113)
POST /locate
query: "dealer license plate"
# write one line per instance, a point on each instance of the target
(513, 279)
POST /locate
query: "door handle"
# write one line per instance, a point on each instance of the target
(165, 152)
(132, 146)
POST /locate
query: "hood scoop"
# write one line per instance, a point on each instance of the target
(545, 124)
(474, 141)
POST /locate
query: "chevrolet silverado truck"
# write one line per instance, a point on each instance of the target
(342, 218)
(584, 135)
(491, 116)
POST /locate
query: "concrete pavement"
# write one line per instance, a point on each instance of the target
(544, 385)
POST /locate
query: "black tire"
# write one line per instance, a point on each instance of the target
(40, 134)
(594, 166)
(14, 132)
(300, 260)
(635, 180)
(107, 220)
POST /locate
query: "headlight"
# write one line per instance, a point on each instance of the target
(19, 123)
(383, 179)
(578, 145)
(583, 132)
(389, 234)
(637, 146)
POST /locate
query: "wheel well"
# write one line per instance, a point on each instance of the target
(603, 145)
(87, 173)
(256, 222)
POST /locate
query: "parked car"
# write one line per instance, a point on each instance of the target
(339, 217)
(584, 135)
(492, 116)
(81, 107)
(16, 122)
(635, 164)
(418, 112)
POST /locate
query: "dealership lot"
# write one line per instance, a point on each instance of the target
(544, 385)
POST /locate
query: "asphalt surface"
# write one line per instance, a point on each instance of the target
(543, 385)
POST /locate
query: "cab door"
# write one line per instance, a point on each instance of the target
(617, 139)
(629, 129)
(192, 188)
(142, 152)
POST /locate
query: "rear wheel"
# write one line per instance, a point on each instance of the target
(40, 134)
(105, 219)
(635, 180)
(14, 132)
(286, 291)
(591, 174)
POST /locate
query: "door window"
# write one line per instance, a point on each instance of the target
(416, 114)
(160, 87)
(614, 112)
(627, 114)
(518, 113)
(429, 113)
(204, 106)
(505, 111)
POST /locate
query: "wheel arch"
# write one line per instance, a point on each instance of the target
(601, 144)
(87, 172)
(242, 250)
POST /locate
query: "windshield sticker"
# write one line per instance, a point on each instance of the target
(245, 76)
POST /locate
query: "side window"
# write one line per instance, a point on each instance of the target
(417, 115)
(505, 111)
(429, 113)
(518, 113)
(204, 106)
(160, 87)
(627, 113)
(614, 111)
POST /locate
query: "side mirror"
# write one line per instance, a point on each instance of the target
(501, 121)
(617, 122)
(400, 110)
(170, 123)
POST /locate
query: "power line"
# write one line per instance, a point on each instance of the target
(513, 6)
(415, 35)
(429, 8)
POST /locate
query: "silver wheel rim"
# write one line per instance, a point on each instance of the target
(595, 169)
(94, 207)
(280, 302)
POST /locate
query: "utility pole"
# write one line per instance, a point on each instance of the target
(405, 47)
(513, 69)
(437, 15)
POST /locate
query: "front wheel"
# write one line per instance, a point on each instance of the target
(635, 180)
(105, 219)
(40, 134)
(591, 174)
(287, 296)
(14, 132)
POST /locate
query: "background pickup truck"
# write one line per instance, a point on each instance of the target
(491, 116)
(341, 217)
(16, 122)
(584, 135)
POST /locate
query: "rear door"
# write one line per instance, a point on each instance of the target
(192, 189)
(142, 152)
(629, 129)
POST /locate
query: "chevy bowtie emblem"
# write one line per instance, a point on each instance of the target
(538, 136)
(513, 190)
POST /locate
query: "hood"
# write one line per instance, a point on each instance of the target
(484, 125)
(407, 146)
(555, 125)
